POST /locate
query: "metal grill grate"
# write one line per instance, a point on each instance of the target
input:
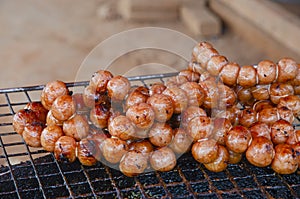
(27, 172)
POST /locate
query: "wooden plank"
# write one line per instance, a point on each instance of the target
(271, 18)
(146, 5)
(149, 16)
(200, 20)
(252, 32)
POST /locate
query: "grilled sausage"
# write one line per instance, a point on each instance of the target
(162, 106)
(76, 127)
(220, 127)
(247, 76)
(51, 91)
(219, 164)
(266, 72)
(49, 136)
(160, 134)
(133, 163)
(32, 134)
(38, 109)
(215, 64)
(238, 139)
(190, 113)
(118, 88)
(195, 93)
(285, 160)
(280, 90)
(113, 149)
(181, 142)
(230, 73)
(199, 128)
(157, 88)
(99, 115)
(99, 80)
(205, 151)
(142, 115)
(287, 69)
(190, 75)
(122, 127)
(22, 118)
(260, 152)
(87, 152)
(163, 159)
(138, 95)
(179, 97)
(65, 149)
(280, 131)
(63, 107)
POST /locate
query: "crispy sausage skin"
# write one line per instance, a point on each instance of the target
(65, 149)
(163, 159)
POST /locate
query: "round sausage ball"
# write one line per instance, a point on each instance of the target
(247, 76)
(181, 142)
(266, 72)
(65, 149)
(99, 115)
(157, 88)
(194, 93)
(190, 75)
(162, 106)
(118, 88)
(229, 73)
(259, 129)
(190, 113)
(179, 98)
(292, 102)
(100, 79)
(51, 120)
(260, 92)
(51, 91)
(220, 127)
(285, 160)
(160, 134)
(133, 163)
(163, 159)
(22, 118)
(238, 139)
(219, 164)
(32, 134)
(227, 96)
(234, 157)
(260, 152)
(38, 109)
(49, 136)
(199, 128)
(205, 151)
(142, 115)
(113, 149)
(280, 90)
(248, 117)
(87, 152)
(215, 64)
(76, 127)
(287, 69)
(141, 146)
(281, 130)
(63, 107)
(122, 127)
(138, 95)
(268, 115)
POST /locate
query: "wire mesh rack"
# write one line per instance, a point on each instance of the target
(27, 172)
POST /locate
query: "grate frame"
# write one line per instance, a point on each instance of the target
(39, 175)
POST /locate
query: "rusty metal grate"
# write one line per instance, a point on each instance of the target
(27, 172)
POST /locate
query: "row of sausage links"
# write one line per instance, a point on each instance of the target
(266, 72)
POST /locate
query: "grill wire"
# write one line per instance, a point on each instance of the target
(39, 175)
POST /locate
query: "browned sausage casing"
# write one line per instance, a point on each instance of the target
(76, 127)
(190, 75)
(199, 128)
(211, 93)
(238, 139)
(266, 72)
(260, 92)
(205, 151)
(51, 120)
(38, 109)
(21, 118)
(181, 142)
(176, 81)
(280, 90)
(268, 115)
(194, 93)
(163, 159)
(220, 164)
(179, 97)
(190, 113)
(122, 127)
(248, 117)
(292, 102)
(113, 149)
(65, 149)
(157, 88)
(229, 73)
(49, 136)
(160, 134)
(234, 157)
(99, 115)
(227, 96)
(162, 106)
(260, 152)
(247, 76)
(87, 152)
(142, 115)
(215, 64)
(287, 69)
(133, 163)
(32, 134)
(141, 146)
(285, 161)
(118, 88)
(260, 129)
(51, 91)
(138, 95)
(220, 128)
(63, 107)
(281, 130)
(100, 79)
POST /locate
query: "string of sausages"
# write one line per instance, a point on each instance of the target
(214, 108)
